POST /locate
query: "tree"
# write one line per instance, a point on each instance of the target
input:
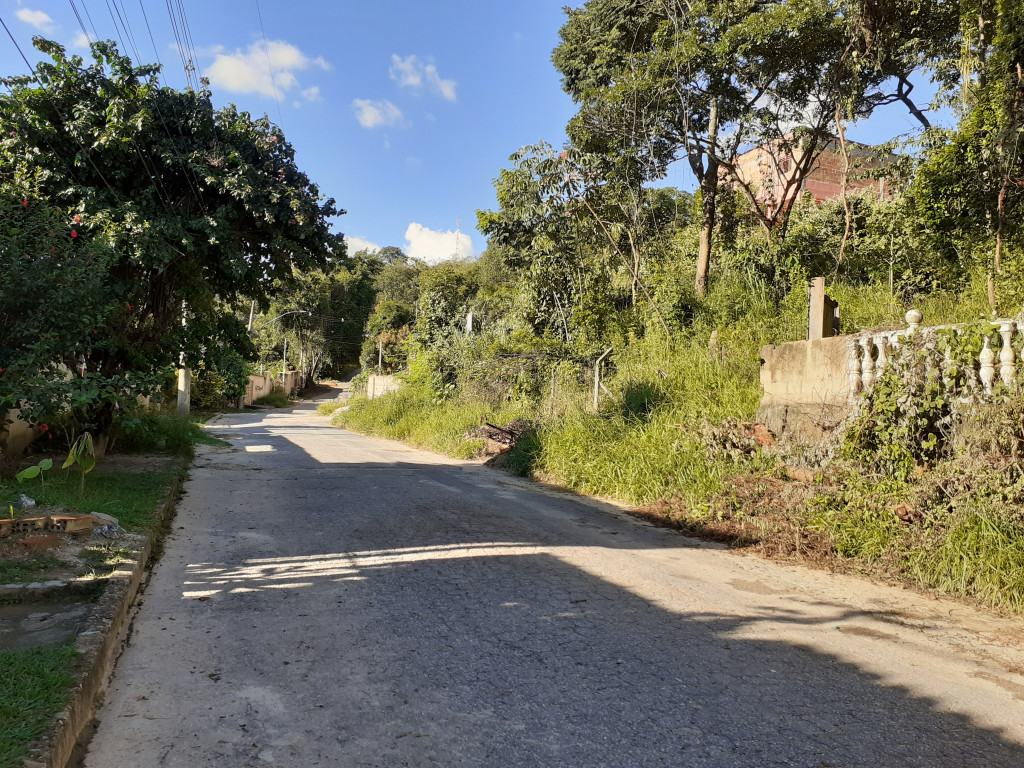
(970, 189)
(661, 79)
(196, 206)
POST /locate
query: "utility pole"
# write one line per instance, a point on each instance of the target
(284, 362)
(184, 374)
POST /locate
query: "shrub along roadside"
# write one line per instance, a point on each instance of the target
(276, 398)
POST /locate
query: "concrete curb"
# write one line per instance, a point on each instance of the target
(99, 646)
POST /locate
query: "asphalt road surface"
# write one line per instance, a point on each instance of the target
(332, 600)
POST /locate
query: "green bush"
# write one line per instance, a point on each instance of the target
(156, 432)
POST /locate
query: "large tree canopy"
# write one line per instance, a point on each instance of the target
(193, 207)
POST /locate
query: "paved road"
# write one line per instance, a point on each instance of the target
(332, 600)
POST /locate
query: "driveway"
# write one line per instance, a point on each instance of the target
(328, 599)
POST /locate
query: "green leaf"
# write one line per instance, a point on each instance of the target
(27, 474)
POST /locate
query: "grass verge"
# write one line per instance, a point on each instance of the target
(131, 497)
(34, 686)
(327, 409)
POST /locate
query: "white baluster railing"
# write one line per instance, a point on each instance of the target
(871, 353)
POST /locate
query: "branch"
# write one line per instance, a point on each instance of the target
(903, 94)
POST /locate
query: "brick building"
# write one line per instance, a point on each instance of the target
(771, 169)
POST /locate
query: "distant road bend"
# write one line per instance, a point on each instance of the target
(333, 600)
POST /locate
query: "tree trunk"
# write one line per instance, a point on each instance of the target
(709, 198)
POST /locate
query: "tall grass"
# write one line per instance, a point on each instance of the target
(414, 415)
(641, 445)
(981, 556)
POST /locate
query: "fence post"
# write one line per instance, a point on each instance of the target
(597, 375)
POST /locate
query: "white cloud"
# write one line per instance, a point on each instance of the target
(37, 19)
(312, 94)
(445, 87)
(372, 114)
(260, 68)
(406, 72)
(356, 244)
(410, 72)
(433, 247)
(81, 40)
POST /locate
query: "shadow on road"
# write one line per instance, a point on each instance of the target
(470, 628)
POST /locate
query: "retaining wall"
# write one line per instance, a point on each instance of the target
(806, 387)
(378, 385)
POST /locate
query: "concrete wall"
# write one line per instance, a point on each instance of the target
(258, 387)
(292, 381)
(17, 436)
(806, 387)
(378, 385)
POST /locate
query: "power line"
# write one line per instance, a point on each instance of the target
(88, 15)
(266, 50)
(196, 187)
(185, 62)
(80, 22)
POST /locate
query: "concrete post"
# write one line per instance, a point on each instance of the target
(184, 390)
(823, 314)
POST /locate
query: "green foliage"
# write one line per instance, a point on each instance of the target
(327, 409)
(148, 431)
(122, 257)
(414, 414)
(219, 380)
(979, 555)
(35, 685)
(859, 518)
(445, 292)
(36, 470)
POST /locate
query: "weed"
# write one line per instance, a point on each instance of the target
(27, 569)
(103, 560)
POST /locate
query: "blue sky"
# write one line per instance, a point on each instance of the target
(404, 111)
